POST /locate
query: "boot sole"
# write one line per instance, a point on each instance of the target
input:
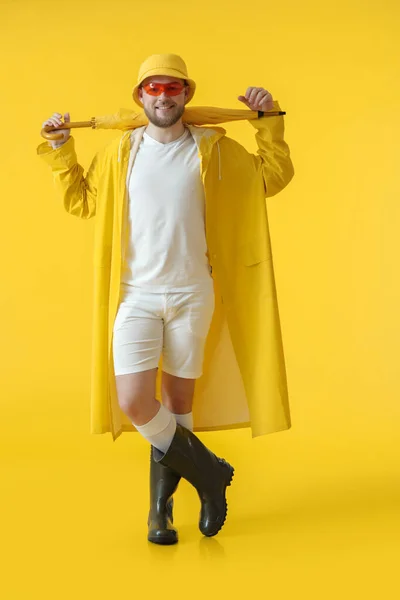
(230, 474)
(163, 541)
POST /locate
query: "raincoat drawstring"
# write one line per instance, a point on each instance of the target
(219, 163)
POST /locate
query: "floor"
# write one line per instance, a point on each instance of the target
(306, 519)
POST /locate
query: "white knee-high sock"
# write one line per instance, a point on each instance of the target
(160, 430)
(185, 420)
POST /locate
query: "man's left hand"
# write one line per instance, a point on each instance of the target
(257, 99)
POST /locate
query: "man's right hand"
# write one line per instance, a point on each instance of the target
(55, 121)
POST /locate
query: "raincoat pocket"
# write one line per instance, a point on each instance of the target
(255, 251)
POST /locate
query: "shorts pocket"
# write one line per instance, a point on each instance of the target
(119, 318)
(201, 314)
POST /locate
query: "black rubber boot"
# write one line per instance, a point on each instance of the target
(210, 475)
(163, 483)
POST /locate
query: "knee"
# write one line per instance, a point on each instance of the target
(135, 394)
(130, 405)
(131, 398)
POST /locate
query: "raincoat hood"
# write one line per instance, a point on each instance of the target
(205, 138)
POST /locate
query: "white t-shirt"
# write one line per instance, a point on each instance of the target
(166, 242)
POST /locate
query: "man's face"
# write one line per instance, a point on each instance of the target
(163, 111)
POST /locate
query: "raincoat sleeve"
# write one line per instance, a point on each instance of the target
(78, 192)
(273, 154)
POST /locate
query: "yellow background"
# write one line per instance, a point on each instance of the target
(314, 512)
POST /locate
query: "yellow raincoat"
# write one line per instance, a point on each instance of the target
(244, 378)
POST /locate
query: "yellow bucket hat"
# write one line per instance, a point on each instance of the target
(170, 65)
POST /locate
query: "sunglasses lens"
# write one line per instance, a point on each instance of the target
(173, 89)
(152, 89)
(156, 89)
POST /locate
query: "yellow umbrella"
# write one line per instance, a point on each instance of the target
(126, 119)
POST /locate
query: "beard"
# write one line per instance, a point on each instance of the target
(160, 120)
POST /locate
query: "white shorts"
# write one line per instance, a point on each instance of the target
(174, 323)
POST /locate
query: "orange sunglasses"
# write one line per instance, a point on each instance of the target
(156, 89)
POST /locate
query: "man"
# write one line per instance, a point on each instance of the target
(166, 287)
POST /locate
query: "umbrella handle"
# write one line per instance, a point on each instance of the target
(47, 131)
